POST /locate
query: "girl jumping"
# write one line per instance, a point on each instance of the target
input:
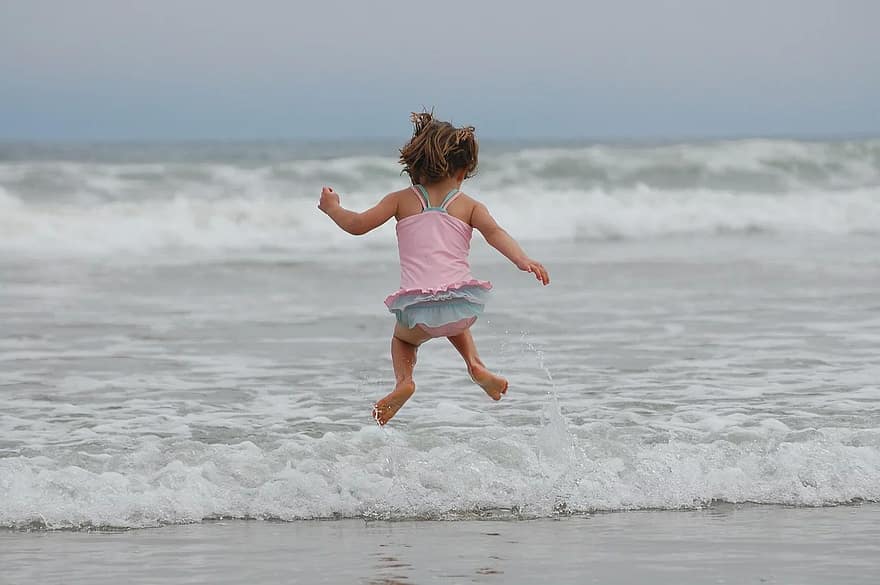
(438, 295)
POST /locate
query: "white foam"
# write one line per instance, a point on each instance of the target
(374, 473)
(70, 209)
(186, 224)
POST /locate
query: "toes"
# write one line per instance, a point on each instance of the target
(378, 415)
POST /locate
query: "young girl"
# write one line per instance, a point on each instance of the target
(438, 296)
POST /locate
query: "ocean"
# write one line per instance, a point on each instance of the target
(187, 345)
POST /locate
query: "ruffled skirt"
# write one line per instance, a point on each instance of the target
(441, 312)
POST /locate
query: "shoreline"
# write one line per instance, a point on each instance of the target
(730, 543)
(501, 516)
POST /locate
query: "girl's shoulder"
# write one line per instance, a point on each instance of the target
(407, 203)
(463, 207)
(465, 200)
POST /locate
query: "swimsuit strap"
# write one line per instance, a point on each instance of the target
(422, 194)
(426, 201)
(450, 197)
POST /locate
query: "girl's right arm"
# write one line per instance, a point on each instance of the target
(353, 222)
(499, 239)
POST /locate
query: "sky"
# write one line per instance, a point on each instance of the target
(156, 70)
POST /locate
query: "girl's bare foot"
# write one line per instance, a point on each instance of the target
(495, 386)
(386, 408)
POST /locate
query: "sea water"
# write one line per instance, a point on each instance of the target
(184, 336)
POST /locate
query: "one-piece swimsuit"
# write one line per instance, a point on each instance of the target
(438, 293)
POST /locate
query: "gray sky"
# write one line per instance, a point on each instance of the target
(265, 69)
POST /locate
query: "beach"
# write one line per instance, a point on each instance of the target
(721, 544)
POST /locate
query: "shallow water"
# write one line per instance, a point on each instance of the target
(650, 374)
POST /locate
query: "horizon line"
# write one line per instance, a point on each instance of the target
(596, 139)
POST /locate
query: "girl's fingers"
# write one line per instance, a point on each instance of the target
(541, 274)
(539, 271)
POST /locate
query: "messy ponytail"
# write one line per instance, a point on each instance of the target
(438, 150)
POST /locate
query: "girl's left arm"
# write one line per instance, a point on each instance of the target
(353, 222)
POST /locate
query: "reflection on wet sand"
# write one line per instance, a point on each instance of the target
(388, 562)
(390, 568)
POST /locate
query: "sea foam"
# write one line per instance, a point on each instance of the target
(373, 473)
(66, 208)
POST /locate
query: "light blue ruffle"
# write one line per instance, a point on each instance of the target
(440, 308)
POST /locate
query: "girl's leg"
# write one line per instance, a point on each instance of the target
(495, 386)
(404, 345)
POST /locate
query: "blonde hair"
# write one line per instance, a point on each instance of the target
(438, 150)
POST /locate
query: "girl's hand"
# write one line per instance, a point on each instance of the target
(329, 200)
(536, 268)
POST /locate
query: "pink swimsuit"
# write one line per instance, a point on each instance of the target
(437, 292)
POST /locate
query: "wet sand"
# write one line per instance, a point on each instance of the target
(721, 544)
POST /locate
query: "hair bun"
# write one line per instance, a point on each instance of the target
(463, 134)
(421, 121)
